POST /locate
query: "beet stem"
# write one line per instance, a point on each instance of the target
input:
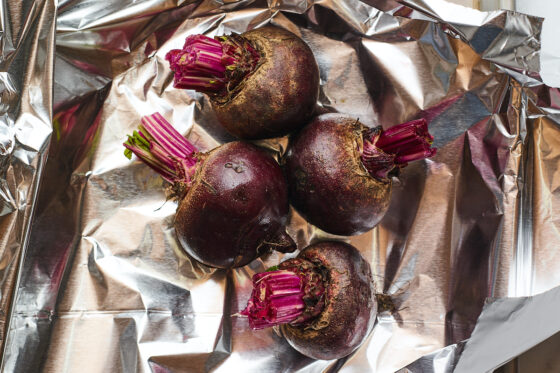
(294, 294)
(384, 151)
(277, 298)
(163, 149)
(212, 66)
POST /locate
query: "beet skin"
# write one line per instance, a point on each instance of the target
(234, 208)
(328, 184)
(280, 95)
(350, 306)
(233, 200)
(323, 300)
(263, 83)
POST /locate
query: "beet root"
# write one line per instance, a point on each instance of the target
(350, 306)
(326, 319)
(328, 184)
(263, 83)
(280, 96)
(233, 202)
(235, 208)
(338, 170)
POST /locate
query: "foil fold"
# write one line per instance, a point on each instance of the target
(26, 80)
(103, 284)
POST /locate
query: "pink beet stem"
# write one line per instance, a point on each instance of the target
(163, 133)
(197, 83)
(203, 63)
(198, 65)
(160, 153)
(396, 147)
(164, 149)
(415, 155)
(146, 157)
(277, 298)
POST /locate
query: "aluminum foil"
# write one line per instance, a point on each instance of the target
(26, 80)
(494, 342)
(104, 285)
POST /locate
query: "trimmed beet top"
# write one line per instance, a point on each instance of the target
(263, 83)
(233, 203)
(324, 300)
(338, 170)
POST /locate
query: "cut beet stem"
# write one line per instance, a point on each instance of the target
(277, 298)
(212, 66)
(164, 149)
(383, 151)
(294, 294)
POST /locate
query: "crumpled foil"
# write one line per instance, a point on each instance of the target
(27, 31)
(102, 284)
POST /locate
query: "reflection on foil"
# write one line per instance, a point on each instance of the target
(440, 361)
(509, 327)
(104, 283)
(7, 138)
(26, 82)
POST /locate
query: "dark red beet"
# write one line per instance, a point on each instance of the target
(236, 204)
(233, 200)
(263, 83)
(341, 309)
(338, 173)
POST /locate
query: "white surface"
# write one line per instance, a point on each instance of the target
(550, 55)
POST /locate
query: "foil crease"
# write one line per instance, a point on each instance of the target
(494, 342)
(104, 285)
(27, 32)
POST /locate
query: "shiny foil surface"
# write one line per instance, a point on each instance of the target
(27, 32)
(103, 285)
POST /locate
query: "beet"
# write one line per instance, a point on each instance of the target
(339, 170)
(263, 83)
(324, 300)
(233, 203)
